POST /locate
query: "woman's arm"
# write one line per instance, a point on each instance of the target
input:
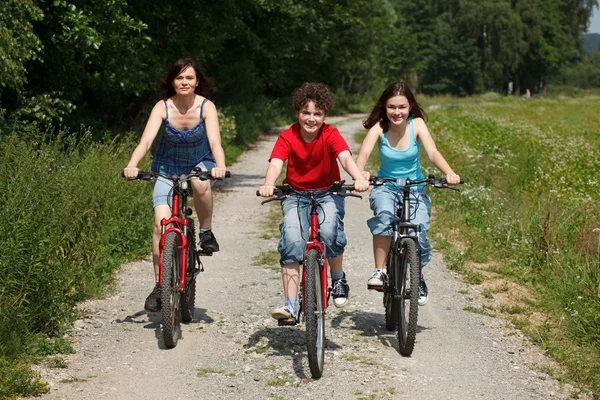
(155, 120)
(211, 120)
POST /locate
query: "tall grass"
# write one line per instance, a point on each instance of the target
(68, 222)
(531, 206)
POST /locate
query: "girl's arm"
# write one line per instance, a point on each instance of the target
(155, 120)
(273, 172)
(211, 120)
(422, 134)
(374, 134)
(360, 183)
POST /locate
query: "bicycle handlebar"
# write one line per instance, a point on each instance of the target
(439, 183)
(338, 188)
(149, 175)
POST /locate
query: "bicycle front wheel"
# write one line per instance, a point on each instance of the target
(390, 301)
(408, 292)
(188, 297)
(315, 314)
(170, 290)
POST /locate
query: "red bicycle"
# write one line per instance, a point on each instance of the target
(313, 296)
(179, 261)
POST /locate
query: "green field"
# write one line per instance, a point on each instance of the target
(529, 214)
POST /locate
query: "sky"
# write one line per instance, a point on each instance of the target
(595, 22)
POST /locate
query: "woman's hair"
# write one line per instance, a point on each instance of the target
(378, 114)
(317, 92)
(205, 84)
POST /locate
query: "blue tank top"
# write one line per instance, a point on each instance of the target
(178, 152)
(405, 164)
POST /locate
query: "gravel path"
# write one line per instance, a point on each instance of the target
(234, 350)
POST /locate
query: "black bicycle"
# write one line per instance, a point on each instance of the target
(401, 288)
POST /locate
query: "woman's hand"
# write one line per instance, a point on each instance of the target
(131, 172)
(218, 172)
(366, 175)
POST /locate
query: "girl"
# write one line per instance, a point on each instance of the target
(397, 125)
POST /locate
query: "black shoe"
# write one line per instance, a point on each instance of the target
(153, 303)
(208, 243)
(340, 292)
(423, 293)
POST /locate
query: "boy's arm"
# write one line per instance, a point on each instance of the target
(360, 183)
(273, 172)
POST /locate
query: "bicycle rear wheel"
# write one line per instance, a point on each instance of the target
(408, 292)
(188, 297)
(391, 302)
(315, 315)
(170, 291)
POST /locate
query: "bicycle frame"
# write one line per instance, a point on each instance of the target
(314, 243)
(179, 226)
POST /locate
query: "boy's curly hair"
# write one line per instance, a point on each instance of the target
(315, 91)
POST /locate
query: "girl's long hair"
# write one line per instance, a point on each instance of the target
(378, 114)
(205, 84)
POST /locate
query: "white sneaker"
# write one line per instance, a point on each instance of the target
(376, 281)
(284, 312)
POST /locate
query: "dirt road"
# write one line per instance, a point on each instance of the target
(234, 350)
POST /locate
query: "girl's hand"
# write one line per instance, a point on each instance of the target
(366, 175)
(452, 179)
(266, 190)
(130, 172)
(218, 172)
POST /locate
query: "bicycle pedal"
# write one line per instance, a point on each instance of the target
(204, 253)
(377, 289)
(287, 322)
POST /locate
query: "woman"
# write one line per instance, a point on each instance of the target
(190, 139)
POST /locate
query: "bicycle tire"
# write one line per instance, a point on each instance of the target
(188, 297)
(391, 302)
(170, 295)
(409, 296)
(315, 315)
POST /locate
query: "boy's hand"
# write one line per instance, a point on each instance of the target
(361, 185)
(366, 175)
(266, 190)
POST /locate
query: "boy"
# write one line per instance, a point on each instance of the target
(312, 149)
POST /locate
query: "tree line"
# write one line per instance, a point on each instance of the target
(96, 62)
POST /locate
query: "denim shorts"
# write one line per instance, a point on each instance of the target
(163, 187)
(295, 227)
(384, 200)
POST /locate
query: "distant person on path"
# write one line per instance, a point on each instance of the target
(397, 125)
(190, 139)
(312, 150)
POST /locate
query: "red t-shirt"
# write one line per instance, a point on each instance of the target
(310, 165)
